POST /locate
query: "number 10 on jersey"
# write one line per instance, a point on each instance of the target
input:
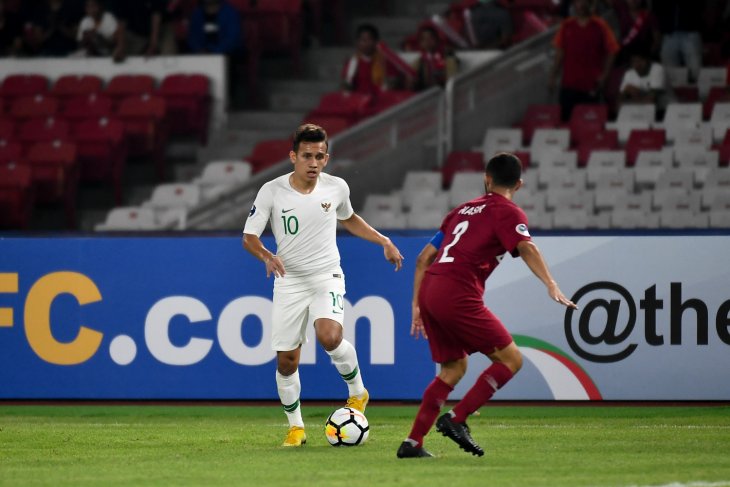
(291, 225)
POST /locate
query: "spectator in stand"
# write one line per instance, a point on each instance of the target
(435, 65)
(11, 31)
(640, 31)
(680, 22)
(585, 50)
(51, 27)
(368, 71)
(140, 27)
(491, 24)
(609, 10)
(98, 31)
(215, 27)
(644, 82)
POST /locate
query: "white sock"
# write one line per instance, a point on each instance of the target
(289, 388)
(345, 359)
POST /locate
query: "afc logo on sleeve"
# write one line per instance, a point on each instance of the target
(522, 230)
(253, 210)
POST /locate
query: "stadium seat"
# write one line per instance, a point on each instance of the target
(724, 149)
(677, 75)
(386, 219)
(501, 140)
(632, 117)
(145, 131)
(102, 152)
(22, 85)
(719, 201)
(460, 161)
(602, 140)
(43, 130)
(686, 94)
(700, 161)
(563, 186)
(602, 162)
(124, 86)
(466, 186)
(16, 195)
(557, 162)
(680, 116)
(717, 183)
(269, 152)
(72, 86)
(128, 218)
(612, 187)
(424, 220)
(531, 202)
(545, 141)
(633, 219)
(352, 106)
(420, 182)
(187, 97)
(650, 164)
(7, 129)
(719, 219)
(220, 176)
(56, 175)
(426, 202)
(587, 119)
(640, 140)
(171, 201)
(710, 77)
(718, 94)
(10, 151)
(385, 100)
(678, 218)
(699, 137)
(573, 219)
(36, 106)
(539, 116)
(332, 124)
(377, 203)
(720, 121)
(92, 106)
(671, 186)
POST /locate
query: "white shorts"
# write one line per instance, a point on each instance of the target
(301, 300)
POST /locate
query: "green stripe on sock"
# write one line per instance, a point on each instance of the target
(291, 407)
(351, 375)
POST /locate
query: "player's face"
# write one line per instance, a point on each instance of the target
(309, 160)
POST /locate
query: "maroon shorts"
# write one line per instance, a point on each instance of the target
(457, 322)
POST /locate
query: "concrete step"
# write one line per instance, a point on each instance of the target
(314, 87)
(258, 119)
(236, 144)
(293, 101)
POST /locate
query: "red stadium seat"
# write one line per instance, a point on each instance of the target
(333, 125)
(43, 130)
(524, 157)
(10, 151)
(460, 161)
(385, 100)
(586, 120)
(37, 106)
(725, 150)
(686, 94)
(20, 85)
(539, 116)
(56, 175)
(125, 85)
(273, 26)
(718, 94)
(603, 140)
(187, 97)
(7, 129)
(352, 106)
(146, 134)
(642, 140)
(71, 86)
(101, 152)
(16, 195)
(268, 152)
(92, 106)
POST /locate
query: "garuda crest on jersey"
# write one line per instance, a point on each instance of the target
(326, 206)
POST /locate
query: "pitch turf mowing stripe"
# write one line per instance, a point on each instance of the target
(351, 375)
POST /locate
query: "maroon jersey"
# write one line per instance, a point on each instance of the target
(476, 236)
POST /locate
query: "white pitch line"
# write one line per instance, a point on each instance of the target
(722, 483)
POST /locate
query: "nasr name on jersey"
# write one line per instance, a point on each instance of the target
(471, 210)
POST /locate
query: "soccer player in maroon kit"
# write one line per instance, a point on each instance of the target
(448, 305)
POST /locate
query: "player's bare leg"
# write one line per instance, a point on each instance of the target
(505, 364)
(344, 356)
(434, 398)
(289, 388)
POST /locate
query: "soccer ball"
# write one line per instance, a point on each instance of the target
(346, 427)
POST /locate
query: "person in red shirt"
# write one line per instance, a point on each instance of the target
(585, 49)
(367, 71)
(448, 304)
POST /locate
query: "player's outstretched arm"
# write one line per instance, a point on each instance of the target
(534, 260)
(425, 259)
(253, 244)
(360, 228)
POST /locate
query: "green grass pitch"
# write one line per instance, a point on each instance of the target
(132, 445)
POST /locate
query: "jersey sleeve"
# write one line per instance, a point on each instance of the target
(260, 212)
(344, 209)
(512, 229)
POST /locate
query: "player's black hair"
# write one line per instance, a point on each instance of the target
(505, 169)
(370, 29)
(309, 132)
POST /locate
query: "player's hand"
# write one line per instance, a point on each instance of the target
(275, 266)
(557, 295)
(417, 324)
(393, 255)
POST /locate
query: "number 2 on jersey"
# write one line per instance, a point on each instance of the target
(458, 232)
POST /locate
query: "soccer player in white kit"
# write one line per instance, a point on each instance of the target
(303, 208)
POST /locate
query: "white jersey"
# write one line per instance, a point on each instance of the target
(304, 225)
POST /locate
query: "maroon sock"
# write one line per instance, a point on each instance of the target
(433, 398)
(487, 384)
